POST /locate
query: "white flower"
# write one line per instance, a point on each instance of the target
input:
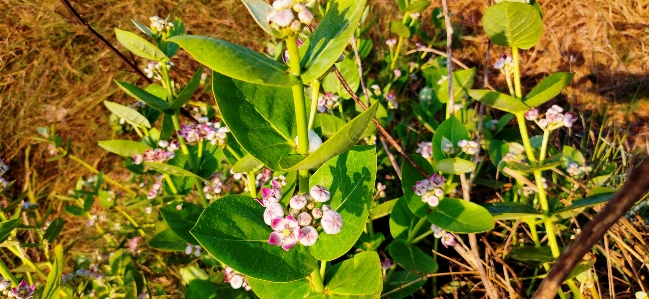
(305, 16)
(332, 222)
(282, 4)
(320, 193)
(468, 147)
(283, 18)
(273, 210)
(391, 42)
(314, 141)
(298, 202)
(503, 61)
(309, 236)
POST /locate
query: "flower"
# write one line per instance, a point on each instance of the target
(391, 42)
(273, 211)
(386, 264)
(376, 89)
(298, 202)
(509, 157)
(304, 219)
(380, 188)
(503, 61)
(328, 102)
(397, 73)
(320, 193)
(569, 119)
(438, 232)
(236, 280)
(448, 240)
(532, 114)
(392, 100)
(309, 236)
(22, 291)
(430, 189)
(133, 244)
(305, 16)
(286, 232)
(4, 285)
(314, 141)
(317, 213)
(331, 221)
(271, 195)
(425, 149)
(468, 147)
(431, 199)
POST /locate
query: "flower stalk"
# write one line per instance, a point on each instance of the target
(300, 109)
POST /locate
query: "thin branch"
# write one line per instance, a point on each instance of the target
(103, 40)
(395, 165)
(519, 284)
(449, 58)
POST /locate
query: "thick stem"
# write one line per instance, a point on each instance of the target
(316, 280)
(300, 110)
(517, 73)
(522, 126)
(544, 145)
(130, 220)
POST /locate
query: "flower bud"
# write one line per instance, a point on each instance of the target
(304, 219)
(298, 202)
(305, 16)
(309, 236)
(331, 222)
(532, 114)
(138, 159)
(320, 193)
(282, 4)
(317, 213)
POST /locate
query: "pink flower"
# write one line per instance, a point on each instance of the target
(273, 211)
(286, 232)
(502, 61)
(448, 240)
(317, 213)
(283, 18)
(430, 199)
(271, 195)
(438, 232)
(298, 202)
(22, 291)
(436, 180)
(320, 193)
(386, 264)
(532, 114)
(309, 236)
(331, 222)
(138, 159)
(569, 119)
(304, 219)
(305, 16)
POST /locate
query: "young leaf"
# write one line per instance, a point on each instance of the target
(358, 277)
(189, 90)
(170, 169)
(581, 203)
(410, 177)
(403, 221)
(259, 10)
(400, 29)
(417, 6)
(139, 46)
(233, 231)
(549, 88)
(124, 148)
(247, 164)
(168, 240)
(411, 257)
(532, 255)
(53, 284)
(143, 28)
(455, 166)
(343, 140)
(54, 230)
(513, 25)
(281, 290)
(182, 221)
(349, 71)
(331, 37)
(261, 118)
(549, 163)
(383, 209)
(74, 210)
(511, 210)
(462, 81)
(235, 61)
(350, 179)
(129, 115)
(498, 100)
(451, 131)
(459, 216)
(329, 124)
(142, 95)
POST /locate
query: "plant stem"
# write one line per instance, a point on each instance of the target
(544, 145)
(576, 294)
(323, 268)
(171, 184)
(6, 274)
(251, 184)
(414, 230)
(25, 259)
(130, 220)
(517, 73)
(522, 126)
(316, 280)
(421, 237)
(395, 57)
(315, 93)
(300, 109)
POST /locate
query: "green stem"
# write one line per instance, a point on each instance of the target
(522, 126)
(510, 85)
(130, 220)
(315, 94)
(576, 293)
(395, 57)
(95, 171)
(6, 274)
(316, 280)
(413, 232)
(20, 254)
(171, 184)
(421, 237)
(251, 184)
(544, 145)
(517, 73)
(300, 109)
(323, 268)
(390, 272)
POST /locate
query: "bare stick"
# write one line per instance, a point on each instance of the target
(481, 114)
(103, 40)
(449, 58)
(519, 285)
(634, 188)
(395, 165)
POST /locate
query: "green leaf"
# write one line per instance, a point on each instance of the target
(549, 163)
(411, 257)
(182, 221)
(259, 10)
(410, 176)
(532, 255)
(400, 29)
(54, 230)
(460, 216)
(53, 284)
(235, 61)
(247, 164)
(382, 210)
(462, 81)
(452, 130)
(124, 148)
(139, 46)
(349, 71)
(455, 166)
(331, 37)
(6, 227)
(261, 118)
(417, 6)
(188, 91)
(74, 210)
(513, 25)
(402, 284)
(498, 100)
(549, 88)
(570, 155)
(168, 240)
(403, 221)
(329, 124)
(581, 203)
(511, 210)
(233, 231)
(358, 277)
(204, 289)
(280, 290)
(170, 169)
(343, 140)
(142, 95)
(143, 28)
(350, 179)
(191, 273)
(130, 115)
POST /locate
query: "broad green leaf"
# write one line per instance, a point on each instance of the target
(261, 118)
(570, 155)
(498, 100)
(358, 277)
(124, 148)
(382, 210)
(511, 210)
(329, 124)
(140, 46)
(259, 10)
(417, 6)
(403, 221)
(513, 25)
(549, 88)
(350, 179)
(191, 273)
(235, 61)
(578, 204)
(182, 221)
(280, 290)
(455, 166)
(53, 284)
(349, 71)
(188, 91)
(549, 163)
(170, 169)
(411, 257)
(462, 81)
(211, 159)
(402, 5)
(131, 116)
(402, 284)
(400, 29)
(532, 255)
(167, 240)
(247, 164)
(410, 176)
(460, 216)
(331, 37)
(143, 28)
(74, 210)
(54, 230)
(204, 289)
(142, 95)
(452, 130)
(130, 286)
(343, 140)
(233, 231)
(6, 227)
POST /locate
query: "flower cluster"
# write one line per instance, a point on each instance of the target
(213, 132)
(153, 70)
(554, 118)
(425, 149)
(380, 190)
(3, 169)
(193, 249)
(392, 101)
(575, 170)
(328, 102)
(236, 279)
(447, 238)
(505, 63)
(22, 291)
(430, 189)
(376, 89)
(469, 147)
(81, 275)
(165, 152)
(299, 224)
(391, 42)
(160, 25)
(289, 16)
(213, 187)
(156, 188)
